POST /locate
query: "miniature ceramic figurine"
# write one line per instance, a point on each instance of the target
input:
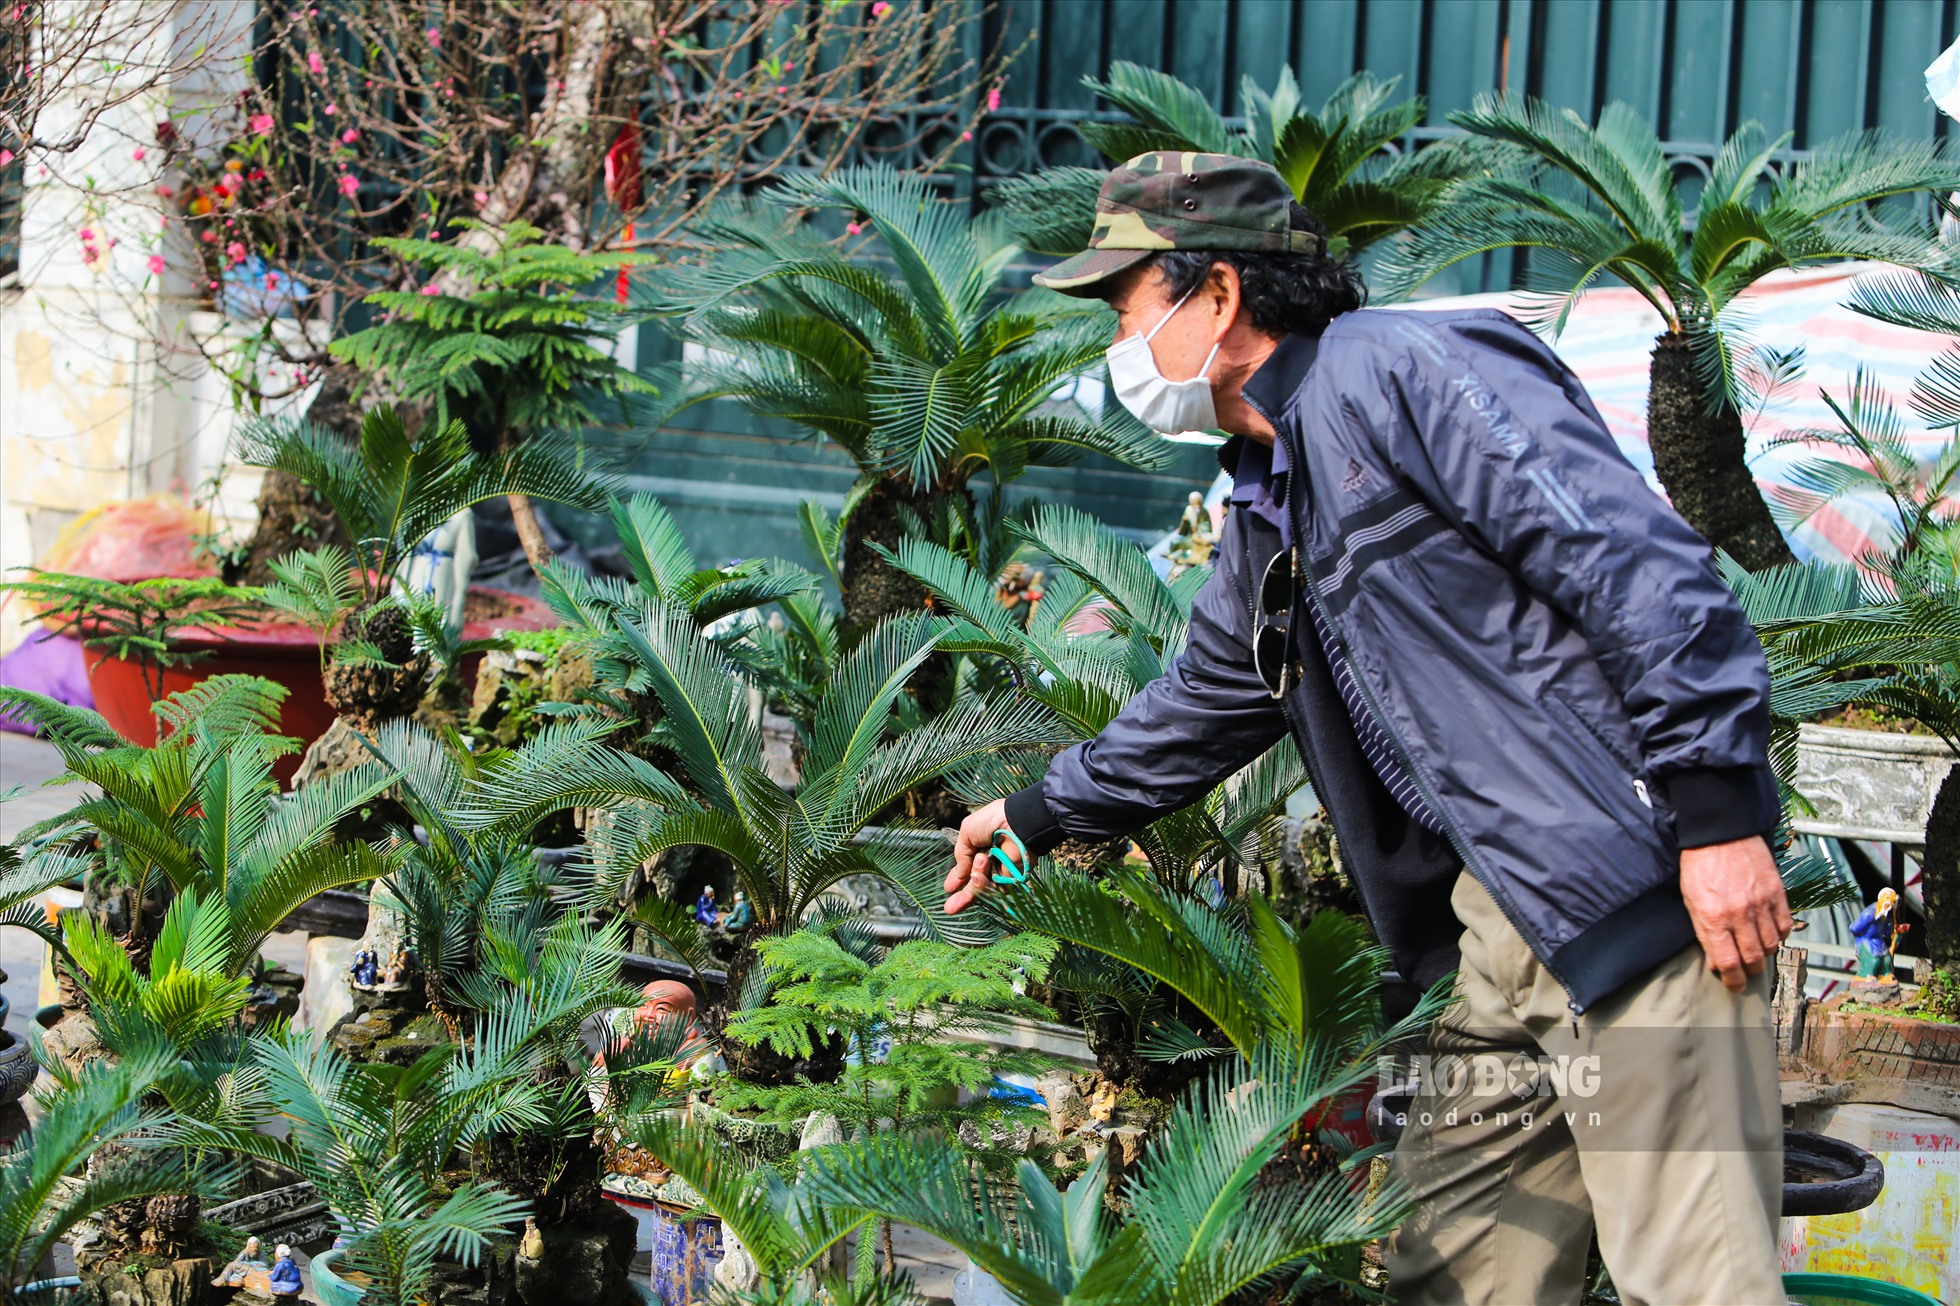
(704, 906)
(531, 1245)
(285, 1274)
(665, 1001)
(1875, 933)
(365, 970)
(247, 1270)
(740, 916)
(1195, 537)
(397, 968)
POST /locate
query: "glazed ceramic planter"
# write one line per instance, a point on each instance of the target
(685, 1254)
(17, 1067)
(1869, 784)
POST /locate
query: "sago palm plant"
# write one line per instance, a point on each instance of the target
(390, 492)
(46, 1184)
(926, 374)
(1601, 201)
(1106, 626)
(200, 813)
(1344, 161)
(787, 847)
(376, 1141)
(1203, 1222)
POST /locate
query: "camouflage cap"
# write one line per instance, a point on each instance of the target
(1173, 199)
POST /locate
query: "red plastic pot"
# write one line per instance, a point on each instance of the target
(281, 652)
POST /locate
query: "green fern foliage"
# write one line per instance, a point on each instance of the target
(509, 342)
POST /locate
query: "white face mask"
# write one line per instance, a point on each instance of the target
(1158, 402)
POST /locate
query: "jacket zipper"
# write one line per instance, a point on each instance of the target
(1311, 589)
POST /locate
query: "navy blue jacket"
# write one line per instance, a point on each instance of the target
(1545, 642)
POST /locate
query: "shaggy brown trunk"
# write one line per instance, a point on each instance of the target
(1700, 458)
(1939, 882)
(873, 588)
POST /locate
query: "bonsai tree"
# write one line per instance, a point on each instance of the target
(1202, 1223)
(47, 1184)
(505, 340)
(200, 813)
(390, 492)
(1348, 163)
(927, 375)
(787, 848)
(1600, 200)
(1880, 632)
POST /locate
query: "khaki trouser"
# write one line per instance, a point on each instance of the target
(1657, 1121)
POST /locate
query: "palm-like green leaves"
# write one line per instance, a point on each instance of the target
(392, 488)
(921, 374)
(374, 1140)
(1344, 161)
(1201, 1228)
(202, 811)
(95, 1112)
(787, 848)
(1600, 201)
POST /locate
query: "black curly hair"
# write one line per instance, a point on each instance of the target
(1297, 293)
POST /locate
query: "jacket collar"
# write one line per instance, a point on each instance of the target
(1272, 387)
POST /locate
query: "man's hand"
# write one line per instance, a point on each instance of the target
(1735, 899)
(972, 873)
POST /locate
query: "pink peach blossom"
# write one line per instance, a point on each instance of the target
(88, 233)
(993, 98)
(880, 9)
(313, 64)
(435, 36)
(349, 136)
(853, 228)
(350, 184)
(235, 252)
(137, 154)
(261, 124)
(430, 290)
(332, 109)
(481, 198)
(966, 136)
(208, 236)
(156, 265)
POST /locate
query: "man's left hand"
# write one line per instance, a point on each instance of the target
(1735, 899)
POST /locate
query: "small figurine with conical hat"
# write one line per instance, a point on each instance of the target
(1875, 933)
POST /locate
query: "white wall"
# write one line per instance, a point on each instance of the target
(104, 394)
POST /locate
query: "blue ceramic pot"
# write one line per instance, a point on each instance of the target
(685, 1254)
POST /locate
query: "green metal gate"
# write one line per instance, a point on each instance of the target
(1699, 68)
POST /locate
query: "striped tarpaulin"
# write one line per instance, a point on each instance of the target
(1610, 333)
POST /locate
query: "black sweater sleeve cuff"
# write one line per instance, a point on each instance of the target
(1031, 821)
(1717, 804)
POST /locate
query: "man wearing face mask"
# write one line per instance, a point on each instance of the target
(1531, 707)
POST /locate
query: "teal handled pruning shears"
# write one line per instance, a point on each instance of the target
(1009, 871)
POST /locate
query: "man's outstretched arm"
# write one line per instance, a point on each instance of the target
(1206, 718)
